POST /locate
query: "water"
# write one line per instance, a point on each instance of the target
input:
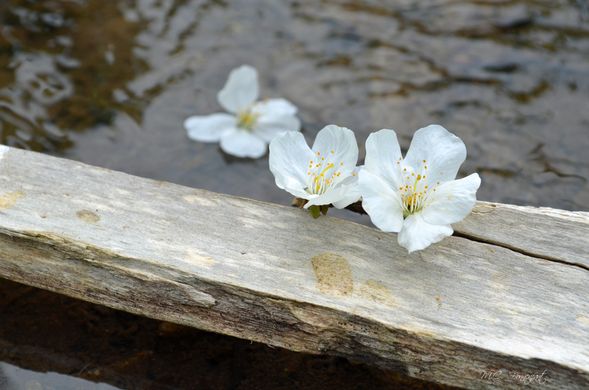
(16, 378)
(110, 82)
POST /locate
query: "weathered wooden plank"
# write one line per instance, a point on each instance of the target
(454, 313)
(537, 231)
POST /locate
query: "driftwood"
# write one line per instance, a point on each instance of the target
(503, 304)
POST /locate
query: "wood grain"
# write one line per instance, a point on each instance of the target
(538, 231)
(466, 307)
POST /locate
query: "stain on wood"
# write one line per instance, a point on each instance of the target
(195, 257)
(9, 199)
(583, 320)
(333, 273)
(88, 216)
(377, 292)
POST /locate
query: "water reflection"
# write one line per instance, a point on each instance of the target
(16, 378)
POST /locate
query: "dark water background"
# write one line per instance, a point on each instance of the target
(109, 83)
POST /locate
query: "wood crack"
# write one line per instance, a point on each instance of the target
(518, 250)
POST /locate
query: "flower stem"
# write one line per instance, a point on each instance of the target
(315, 211)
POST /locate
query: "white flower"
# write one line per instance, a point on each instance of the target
(326, 174)
(416, 196)
(251, 125)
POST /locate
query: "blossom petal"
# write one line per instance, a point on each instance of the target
(452, 201)
(383, 156)
(241, 143)
(275, 116)
(351, 190)
(240, 90)
(443, 152)
(268, 127)
(342, 142)
(417, 234)
(209, 128)
(381, 202)
(289, 158)
(341, 194)
(333, 195)
(274, 106)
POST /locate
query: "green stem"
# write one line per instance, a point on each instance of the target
(315, 211)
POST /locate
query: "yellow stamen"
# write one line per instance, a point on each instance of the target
(319, 180)
(247, 119)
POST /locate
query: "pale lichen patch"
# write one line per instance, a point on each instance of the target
(88, 216)
(9, 199)
(333, 273)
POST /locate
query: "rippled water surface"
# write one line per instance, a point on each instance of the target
(110, 82)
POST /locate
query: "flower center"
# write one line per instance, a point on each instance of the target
(247, 120)
(415, 189)
(321, 173)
